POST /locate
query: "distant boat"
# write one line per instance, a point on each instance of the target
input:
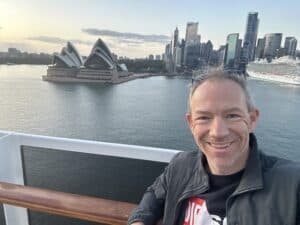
(9, 63)
(283, 70)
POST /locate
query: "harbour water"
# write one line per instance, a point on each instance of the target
(148, 111)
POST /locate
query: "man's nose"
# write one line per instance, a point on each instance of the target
(219, 128)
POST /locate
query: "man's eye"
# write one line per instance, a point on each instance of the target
(202, 118)
(233, 116)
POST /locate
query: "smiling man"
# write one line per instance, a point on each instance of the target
(228, 181)
(221, 118)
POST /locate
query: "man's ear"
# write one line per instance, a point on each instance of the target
(189, 120)
(254, 115)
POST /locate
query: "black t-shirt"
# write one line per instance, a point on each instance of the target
(210, 207)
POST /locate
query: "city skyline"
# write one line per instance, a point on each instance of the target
(136, 29)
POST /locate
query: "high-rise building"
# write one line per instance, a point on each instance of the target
(191, 34)
(298, 53)
(290, 46)
(175, 50)
(168, 57)
(280, 52)
(13, 52)
(232, 56)
(192, 44)
(239, 50)
(214, 58)
(240, 63)
(177, 61)
(221, 55)
(206, 51)
(250, 37)
(259, 52)
(168, 52)
(272, 45)
(151, 57)
(175, 39)
(182, 46)
(192, 55)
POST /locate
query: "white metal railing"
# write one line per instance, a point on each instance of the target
(11, 169)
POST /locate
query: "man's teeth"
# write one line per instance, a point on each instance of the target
(226, 145)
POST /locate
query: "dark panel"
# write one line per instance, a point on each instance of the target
(87, 174)
(37, 218)
(2, 218)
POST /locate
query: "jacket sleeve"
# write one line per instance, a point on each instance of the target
(151, 207)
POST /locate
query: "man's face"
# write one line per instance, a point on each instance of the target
(220, 123)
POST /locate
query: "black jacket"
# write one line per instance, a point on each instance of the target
(268, 193)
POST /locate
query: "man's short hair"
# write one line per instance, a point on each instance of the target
(221, 75)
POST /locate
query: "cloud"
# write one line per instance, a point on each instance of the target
(128, 37)
(136, 42)
(80, 42)
(58, 40)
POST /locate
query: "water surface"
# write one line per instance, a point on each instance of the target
(148, 111)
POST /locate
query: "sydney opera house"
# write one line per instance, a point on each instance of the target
(99, 66)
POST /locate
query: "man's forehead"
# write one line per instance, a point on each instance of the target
(221, 93)
(214, 85)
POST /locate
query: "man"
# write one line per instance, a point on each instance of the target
(229, 181)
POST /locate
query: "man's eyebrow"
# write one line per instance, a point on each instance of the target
(202, 112)
(233, 109)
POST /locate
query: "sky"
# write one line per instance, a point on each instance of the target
(135, 28)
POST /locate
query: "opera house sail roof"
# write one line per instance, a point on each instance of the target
(69, 57)
(100, 57)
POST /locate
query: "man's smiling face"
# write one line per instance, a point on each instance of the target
(220, 123)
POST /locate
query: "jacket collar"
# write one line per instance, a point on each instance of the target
(252, 178)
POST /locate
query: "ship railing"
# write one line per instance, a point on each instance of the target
(12, 178)
(66, 204)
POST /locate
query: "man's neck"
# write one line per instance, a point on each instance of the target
(226, 170)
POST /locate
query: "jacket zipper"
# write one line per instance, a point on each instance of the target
(184, 196)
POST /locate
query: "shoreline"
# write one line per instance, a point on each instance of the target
(65, 79)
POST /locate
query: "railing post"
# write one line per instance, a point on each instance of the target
(11, 170)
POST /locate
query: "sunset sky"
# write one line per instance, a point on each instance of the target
(135, 28)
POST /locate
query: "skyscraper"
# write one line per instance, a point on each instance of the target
(177, 61)
(192, 55)
(182, 46)
(206, 51)
(192, 44)
(191, 34)
(231, 57)
(168, 57)
(272, 45)
(175, 38)
(259, 52)
(221, 54)
(175, 46)
(290, 45)
(250, 37)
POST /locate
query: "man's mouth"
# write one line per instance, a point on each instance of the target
(220, 145)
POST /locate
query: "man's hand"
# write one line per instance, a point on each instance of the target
(137, 223)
